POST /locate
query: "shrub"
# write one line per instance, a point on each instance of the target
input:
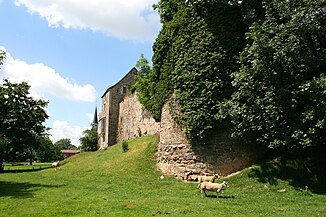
(125, 146)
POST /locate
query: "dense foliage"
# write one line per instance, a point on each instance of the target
(255, 67)
(148, 90)
(194, 56)
(22, 133)
(21, 121)
(280, 89)
(2, 56)
(47, 151)
(89, 139)
(65, 144)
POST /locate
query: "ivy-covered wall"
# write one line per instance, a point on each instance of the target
(175, 155)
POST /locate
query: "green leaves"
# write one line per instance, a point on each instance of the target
(2, 56)
(89, 140)
(19, 111)
(276, 96)
(256, 66)
(193, 58)
(65, 144)
(21, 120)
(149, 89)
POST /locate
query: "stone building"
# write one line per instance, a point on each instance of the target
(123, 117)
(109, 116)
(69, 153)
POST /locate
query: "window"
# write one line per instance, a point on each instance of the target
(124, 89)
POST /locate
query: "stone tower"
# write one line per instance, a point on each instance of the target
(109, 116)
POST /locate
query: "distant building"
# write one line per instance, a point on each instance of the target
(95, 119)
(69, 153)
(109, 116)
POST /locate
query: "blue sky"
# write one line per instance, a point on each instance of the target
(71, 51)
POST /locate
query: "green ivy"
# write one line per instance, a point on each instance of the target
(255, 67)
(194, 55)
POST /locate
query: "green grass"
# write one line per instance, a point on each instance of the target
(25, 167)
(113, 183)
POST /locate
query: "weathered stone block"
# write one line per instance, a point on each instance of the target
(123, 117)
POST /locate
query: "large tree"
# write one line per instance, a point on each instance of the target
(280, 89)
(89, 140)
(47, 151)
(65, 144)
(21, 120)
(273, 54)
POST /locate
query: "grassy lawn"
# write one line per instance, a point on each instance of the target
(25, 167)
(112, 183)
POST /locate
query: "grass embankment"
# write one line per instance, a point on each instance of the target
(112, 183)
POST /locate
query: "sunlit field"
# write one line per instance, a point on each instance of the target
(115, 183)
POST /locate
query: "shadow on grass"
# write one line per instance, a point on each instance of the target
(21, 190)
(298, 173)
(220, 196)
(23, 170)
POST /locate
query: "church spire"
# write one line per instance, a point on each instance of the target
(95, 120)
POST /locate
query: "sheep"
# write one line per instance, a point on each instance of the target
(191, 178)
(207, 178)
(218, 187)
(56, 165)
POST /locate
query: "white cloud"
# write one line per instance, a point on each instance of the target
(44, 79)
(62, 130)
(127, 19)
(90, 116)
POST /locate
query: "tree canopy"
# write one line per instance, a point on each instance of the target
(280, 88)
(89, 139)
(2, 56)
(65, 144)
(194, 55)
(253, 67)
(21, 120)
(47, 151)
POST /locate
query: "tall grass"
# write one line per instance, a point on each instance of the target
(113, 183)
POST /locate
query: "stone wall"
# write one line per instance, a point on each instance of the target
(103, 118)
(175, 156)
(134, 120)
(222, 155)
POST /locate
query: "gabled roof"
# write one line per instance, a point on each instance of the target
(131, 70)
(70, 151)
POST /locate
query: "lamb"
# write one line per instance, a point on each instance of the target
(56, 165)
(207, 178)
(218, 187)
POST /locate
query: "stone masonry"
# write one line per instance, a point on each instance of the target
(123, 117)
(222, 155)
(109, 116)
(175, 155)
(134, 120)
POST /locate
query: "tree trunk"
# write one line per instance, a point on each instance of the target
(1, 165)
(31, 157)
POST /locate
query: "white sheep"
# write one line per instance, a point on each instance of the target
(207, 178)
(56, 165)
(218, 187)
(191, 177)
